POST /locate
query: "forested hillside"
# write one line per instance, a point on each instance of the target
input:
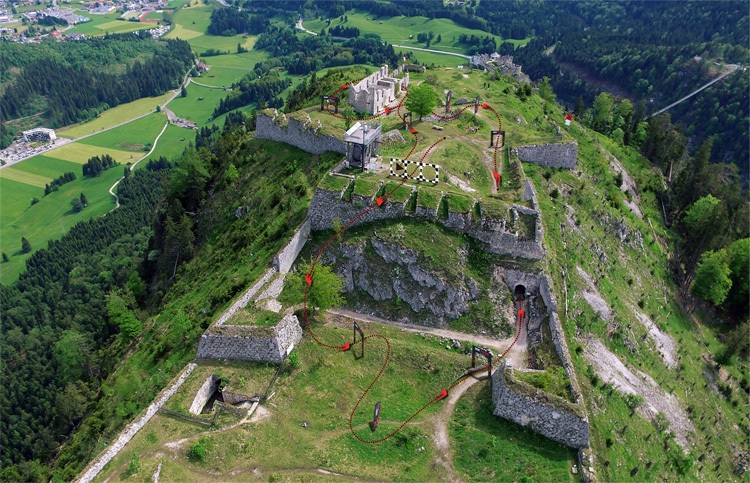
(121, 283)
(64, 85)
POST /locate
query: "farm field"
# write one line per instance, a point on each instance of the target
(171, 144)
(52, 216)
(224, 70)
(396, 30)
(198, 111)
(116, 115)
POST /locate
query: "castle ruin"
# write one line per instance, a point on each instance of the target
(373, 93)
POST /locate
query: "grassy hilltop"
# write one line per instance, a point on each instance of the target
(592, 248)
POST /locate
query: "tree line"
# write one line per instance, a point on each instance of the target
(229, 22)
(55, 184)
(250, 90)
(95, 165)
(58, 342)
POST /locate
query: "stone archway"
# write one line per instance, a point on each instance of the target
(520, 292)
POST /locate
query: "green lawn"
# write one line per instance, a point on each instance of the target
(322, 391)
(191, 23)
(114, 116)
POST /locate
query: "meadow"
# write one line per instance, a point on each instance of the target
(321, 391)
(114, 116)
(191, 22)
(396, 30)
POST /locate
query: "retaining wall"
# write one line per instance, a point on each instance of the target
(247, 343)
(543, 413)
(285, 129)
(284, 260)
(326, 206)
(555, 155)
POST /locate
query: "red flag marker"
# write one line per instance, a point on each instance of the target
(485, 106)
(412, 130)
(521, 314)
(346, 346)
(344, 86)
(443, 394)
(308, 278)
(380, 200)
(568, 119)
(498, 178)
(387, 110)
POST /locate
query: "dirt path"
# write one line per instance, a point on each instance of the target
(441, 439)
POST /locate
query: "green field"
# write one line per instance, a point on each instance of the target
(396, 30)
(52, 217)
(171, 144)
(134, 136)
(322, 391)
(109, 23)
(198, 111)
(224, 70)
(191, 24)
(114, 116)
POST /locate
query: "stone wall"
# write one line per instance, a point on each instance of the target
(204, 394)
(545, 414)
(327, 206)
(285, 129)
(558, 337)
(247, 343)
(284, 260)
(555, 155)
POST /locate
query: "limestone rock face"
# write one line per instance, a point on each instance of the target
(388, 271)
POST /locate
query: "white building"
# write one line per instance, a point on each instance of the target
(39, 134)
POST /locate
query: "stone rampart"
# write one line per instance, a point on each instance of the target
(247, 343)
(558, 337)
(288, 130)
(326, 206)
(548, 415)
(284, 260)
(554, 155)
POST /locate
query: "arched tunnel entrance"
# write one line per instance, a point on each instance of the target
(520, 293)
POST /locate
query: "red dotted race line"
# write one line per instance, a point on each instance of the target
(378, 201)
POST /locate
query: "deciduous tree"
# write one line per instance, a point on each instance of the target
(421, 100)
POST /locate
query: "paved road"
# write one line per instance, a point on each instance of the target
(467, 57)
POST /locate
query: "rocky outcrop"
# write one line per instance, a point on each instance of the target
(545, 414)
(388, 271)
